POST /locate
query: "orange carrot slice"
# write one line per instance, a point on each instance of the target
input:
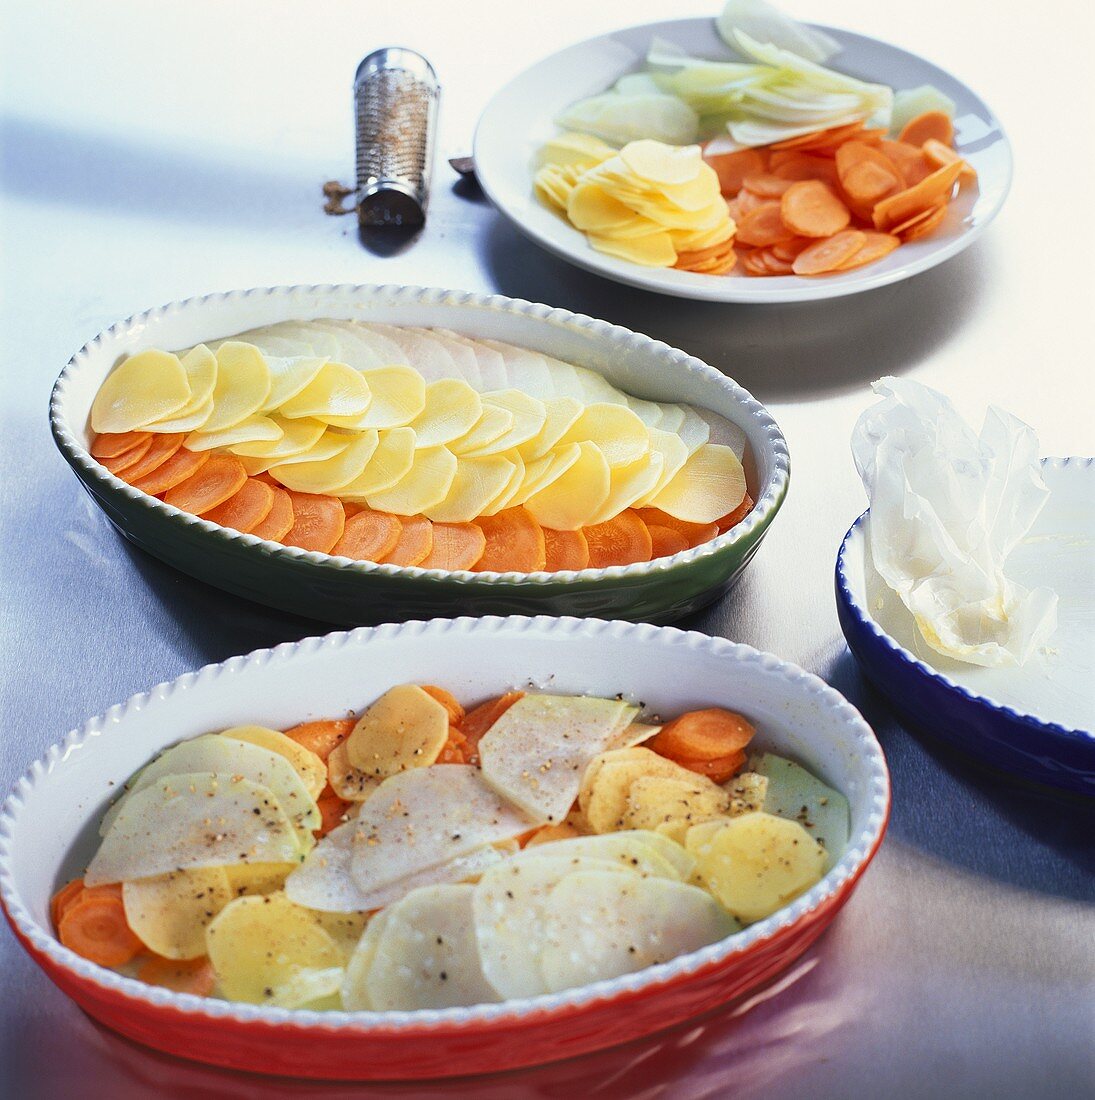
(112, 444)
(772, 263)
(806, 166)
(162, 448)
(213, 483)
(732, 168)
(754, 263)
(910, 160)
(279, 520)
(480, 719)
(565, 550)
(732, 519)
(127, 459)
(180, 466)
(332, 811)
(828, 254)
(788, 250)
(767, 185)
(665, 541)
(718, 771)
(708, 734)
(455, 546)
(747, 203)
(764, 226)
(414, 543)
(931, 124)
(194, 976)
(369, 535)
(95, 928)
(929, 192)
(64, 898)
(515, 542)
(324, 736)
(447, 700)
(246, 509)
(939, 154)
(621, 540)
(875, 246)
(456, 749)
(923, 225)
(695, 533)
(810, 208)
(318, 522)
(866, 174)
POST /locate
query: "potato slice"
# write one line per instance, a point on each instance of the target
(184, 421)
(529, 416)
(560, 415)
(310, 767)
(392, 460)
(476, 482)
(344, 928)
(200, 365)
(289, 375)
(313, 988)
(196, 819)
(571, 499)
(452, 409)
(674, 455)
(355, 996)
(425, 955)
(618, 432)
(426, 484)
(542, 472)
(603, 795)
(601, 926)
(254, 429)
(327, 446)
(694, 430)
(149, 386)
(630, 483)
(347, 781)
(708, 486)
(636, 850)
(748, 792)
(506, 498)
(398, 396)
(337, 392)
(428, 816)
(243, 384)
(508, 905)
(536, 752)
(170, 913)
(257, 878)
(405, 728)
(756, 863)
(329, 474)
(297, 437)
(494, 422)
(260, 945)
(653, 800)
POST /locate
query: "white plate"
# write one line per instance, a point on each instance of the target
(521, 116)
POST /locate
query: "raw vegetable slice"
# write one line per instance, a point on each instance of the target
(830, 254)
(171, 912)
(536, 752)
(256, 878)
(933, 189)
(509, 904)
(330, 444)
(494, 422)
(354, 995)
(507, 498)
(289, 376)
(259, 946)
(766, 23)
(426, 954)
(529, 416)
(489, 360)
(463, 357)
(451, 410)
(569, 501)
(630, 484)
(113, 444)
(279, 520)
(337, 393)
(193, 976)
(353, 345)
(524, 370)
(710, 484)
(368, 536)
(181, 465)
(211, 484)
(253, 429)
(756, 863)
(242, 386)
(245, 509)
(539, 473)
(327, 475)
(620, 119)
(405, 728)
(311, 988)
(601, 925)
(796, 794)
(146, 387)
(621, 540)
(392, 459)
(654, 801)
(453, 812)
(811, 209)
(298, 437)
(639, 851)
(908, 103)
(398, 396)
(310, 768)
(475, 483)
(565, 550)
(455, 546)
(200, 365)
(424, 485)
(931, 125)
(874, 247)
(198, 819)
(160, 449)
(579, 150)
(318, 522)
(414, 543)
(347, 781)
(514, 542)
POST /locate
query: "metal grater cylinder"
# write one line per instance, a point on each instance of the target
(395, 108)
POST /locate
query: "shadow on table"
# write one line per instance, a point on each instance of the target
(800, 351)
(969, 814)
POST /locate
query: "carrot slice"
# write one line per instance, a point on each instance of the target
(931, 124)
(764, 226)
(810, 208)
(718, 771)
(910, 160)
(332, 811)
(875, 246)
(318, 522)
(621, 540)
(565, 550)
(772, 263)
(923, 225)
(112, 444)
(180, 466)
(324, 736)
(515, 542)
(162, 448)
(929, 192)
(695, 533)
(63, 899)
(732, 168)
(806, 166)
(665, 541)
(866, 174)
(747, 203)
(414, 543)
(828, 254)
(455, 546)
(194, 976)
(95, 928)
(127, 459)
(455, 750)
(480, 719)
(246, 509)
(369, 535)
(753, 262)
(939, 154)
(279, 520)
(214, 482)
(447, 700)
(732, 519)
(708, 734)
(767, 185)
(788, 250)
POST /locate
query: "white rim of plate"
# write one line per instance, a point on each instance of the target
(859, 850)
(767, 505)
(783, 289)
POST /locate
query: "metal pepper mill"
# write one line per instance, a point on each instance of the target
(395, 108)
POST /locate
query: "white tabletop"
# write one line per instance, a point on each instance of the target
(156, 151)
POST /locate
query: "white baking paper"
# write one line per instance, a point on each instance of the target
(947, 508)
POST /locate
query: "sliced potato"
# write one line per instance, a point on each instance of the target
(756, 863)
(289, 375)
(169, 913)
(392, 460)
(350, 783)
(329, 474)
(253, 429)
(748, 792)
(604, 792)
(200, 365)
(492, 424)
(635, 850)
(311, 988)
(629, 484)
(476, 482)
(337, 392)
(242, 386)
(529, 416)
(149, 386)
(405, 728)
(654, 800)
(398, 396)
(344, 928)
(539, 473)
(426, 484)
(297, 437)
(694, 430)
(329, 444)
(310, 767)
(617, 431)
(505, 499)
(452, 409)
(571, 499)
(355, 995)
(674, 455)
(257, 878)
(708, 486)
(260, 945)
(560, 415)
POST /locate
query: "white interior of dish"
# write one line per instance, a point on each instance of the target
(1055, 684)
(51, 832)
